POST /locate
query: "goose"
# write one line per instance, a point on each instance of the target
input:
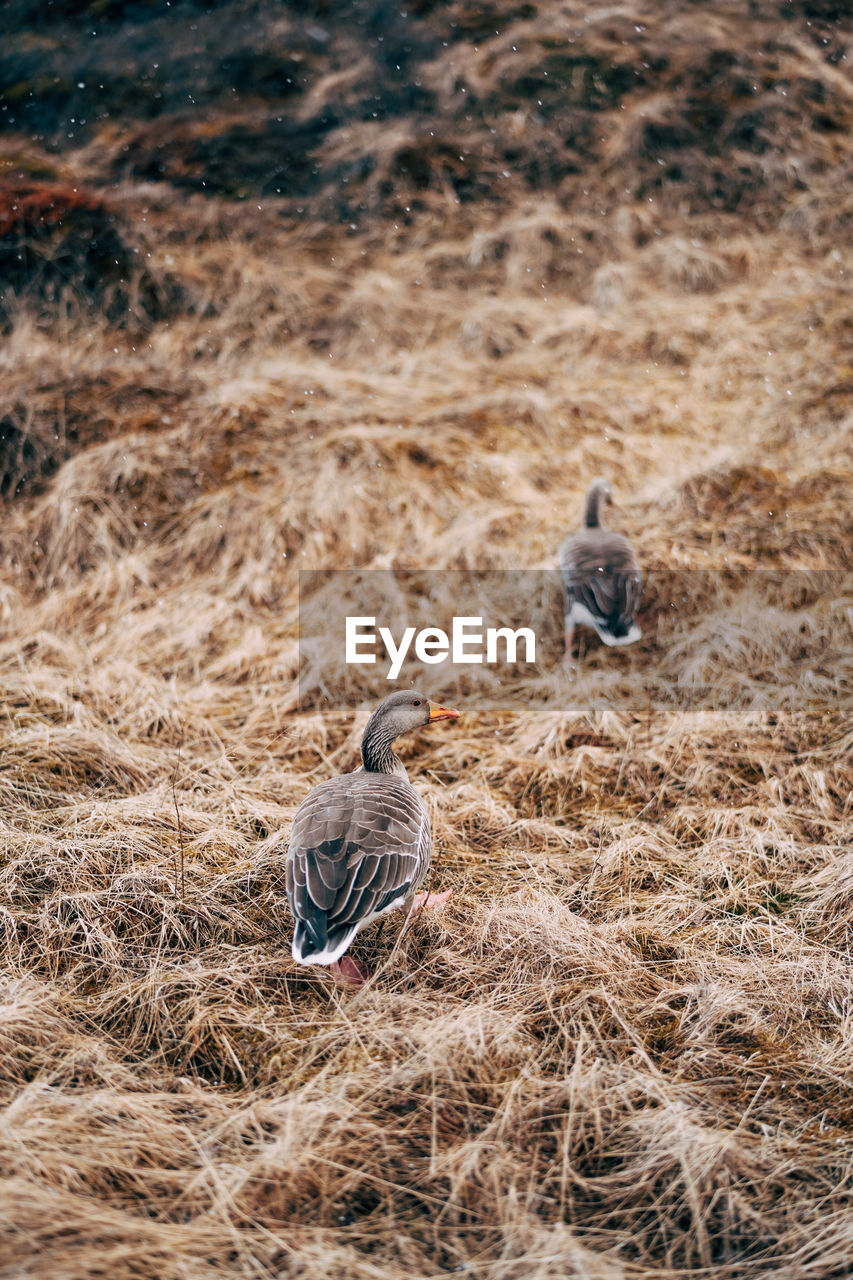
(601, 577)
(360, 844)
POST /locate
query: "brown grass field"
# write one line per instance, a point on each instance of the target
(376, 291)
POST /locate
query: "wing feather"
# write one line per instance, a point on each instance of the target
(600, 572)
(359, 843)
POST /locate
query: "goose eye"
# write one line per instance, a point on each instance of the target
(416, 702)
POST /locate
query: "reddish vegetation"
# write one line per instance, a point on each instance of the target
(35, 212)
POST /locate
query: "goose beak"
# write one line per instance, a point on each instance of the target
(441, 713)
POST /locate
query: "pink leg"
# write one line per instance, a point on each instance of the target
(570, 635)
(426, 901)
(348, 972)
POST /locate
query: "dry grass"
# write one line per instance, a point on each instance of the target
(624, 1048)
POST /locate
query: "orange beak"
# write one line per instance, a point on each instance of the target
(441, 713)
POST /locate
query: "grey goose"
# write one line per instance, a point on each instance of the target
(360, 844)
(601, 577)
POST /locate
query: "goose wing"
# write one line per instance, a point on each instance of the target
(360, 844)
(600, 572)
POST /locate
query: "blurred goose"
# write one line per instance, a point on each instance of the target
(360, 843)
(601, 576)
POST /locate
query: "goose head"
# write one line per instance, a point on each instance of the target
(400, 712)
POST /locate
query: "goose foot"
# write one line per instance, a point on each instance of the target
(349, 973)
(427, 901)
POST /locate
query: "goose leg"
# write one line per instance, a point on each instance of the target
(427, 901)
(348, 972)
(570, 635)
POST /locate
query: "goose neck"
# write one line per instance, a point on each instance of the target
(592, 514)
(377, 752)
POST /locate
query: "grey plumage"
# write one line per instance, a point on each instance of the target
(601, 576)
(360, 843)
